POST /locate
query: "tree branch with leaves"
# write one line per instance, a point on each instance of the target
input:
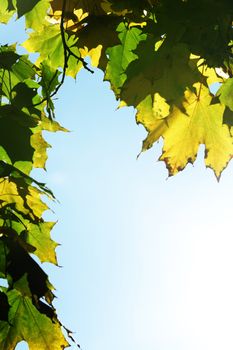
(160, 56)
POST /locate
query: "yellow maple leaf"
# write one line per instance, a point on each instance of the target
(184, 131)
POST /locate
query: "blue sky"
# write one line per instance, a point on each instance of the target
(147, 261)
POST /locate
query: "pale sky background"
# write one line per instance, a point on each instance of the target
(147, 261)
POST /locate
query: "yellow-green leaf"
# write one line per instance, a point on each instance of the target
(202, 123)
(27, 323)
(39, 237)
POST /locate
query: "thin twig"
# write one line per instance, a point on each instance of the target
(67, 53)
(67, 50)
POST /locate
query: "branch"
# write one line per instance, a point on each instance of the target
(67, 50)
(67, 53)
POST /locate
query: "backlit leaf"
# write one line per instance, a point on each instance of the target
(183, 133)
(121, 55)
(225, 93)
(36, 18)
(27, 323)
(39, 237)
(159, 72)
(5, 12)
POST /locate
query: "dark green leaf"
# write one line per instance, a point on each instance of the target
(25, 6)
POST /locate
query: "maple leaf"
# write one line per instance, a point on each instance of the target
(24, 6)
(121, 55)
(15, 136)
(27, 323)
(48, 42)
(96, 36)
(184, 132)
(35, 19)
(5, 12)
(38, 142)
(40, 149)
(225, 93)
(159, 71)
(38, 235)
(26, 199)
(34, 235)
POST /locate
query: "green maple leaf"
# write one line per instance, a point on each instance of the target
(36, 18)
(159, 71)
(27, 323)
(225, 93)
(49, 82)
(22, 122)
(23, 69)
(48, 42)
(8, 57)
(15, 135)
(14, 69)
(25, 6)
(121, 55)
(20, 263)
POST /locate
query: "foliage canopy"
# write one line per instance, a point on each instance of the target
(170, 59)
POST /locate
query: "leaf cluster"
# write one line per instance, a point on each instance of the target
(160, 57)
(26, 110)
(172, 60)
